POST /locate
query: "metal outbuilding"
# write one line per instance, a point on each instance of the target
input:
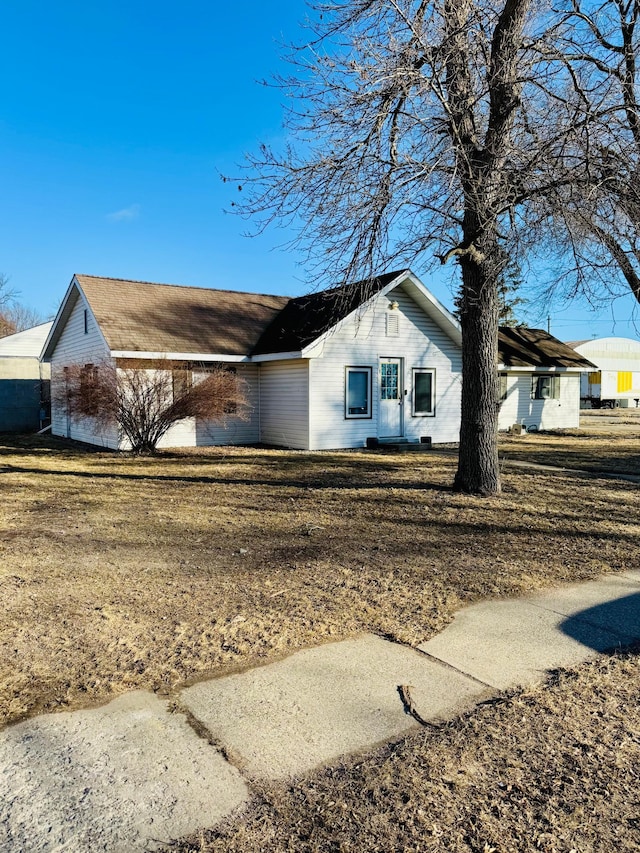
(24, 380)
(616, 382)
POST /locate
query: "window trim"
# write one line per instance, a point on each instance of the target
(415, 413)
(503, 386)
(555, 386)
(368, 370)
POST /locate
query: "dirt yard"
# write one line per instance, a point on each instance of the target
(120, 572)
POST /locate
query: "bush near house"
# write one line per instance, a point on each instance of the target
(145, 399)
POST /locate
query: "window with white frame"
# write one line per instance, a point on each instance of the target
(424, 391)
(545, 387)
(358, 392)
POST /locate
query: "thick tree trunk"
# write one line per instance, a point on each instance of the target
(478, 468)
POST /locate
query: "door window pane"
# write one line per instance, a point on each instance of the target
(389, 381)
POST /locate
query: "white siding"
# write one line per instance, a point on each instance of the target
(181, 434)
(77, 347)
(519, 408)
(284, 403)
(27, 344)
(362, 342)
(234, 430)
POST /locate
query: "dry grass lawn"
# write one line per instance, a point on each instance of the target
(119, 572)
(607, 441)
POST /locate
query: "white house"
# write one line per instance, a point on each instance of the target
(615, 379)
(539, 380)
(328, 370)
(24, 380)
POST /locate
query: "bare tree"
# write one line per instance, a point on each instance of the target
(422, 129)
(7, 297)
(602, 216)
(144, 399)
(14, 317)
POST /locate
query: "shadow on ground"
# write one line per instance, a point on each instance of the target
(621, 616)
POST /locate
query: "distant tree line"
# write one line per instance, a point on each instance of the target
(14, 316)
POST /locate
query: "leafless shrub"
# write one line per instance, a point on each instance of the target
(143, 399)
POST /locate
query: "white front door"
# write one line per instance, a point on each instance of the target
(391, 398)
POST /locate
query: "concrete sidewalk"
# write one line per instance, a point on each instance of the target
(139, 771)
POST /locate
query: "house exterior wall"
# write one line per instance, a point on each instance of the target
(519, 408)
(234, 430)
(362, 342)
(284, 403)
(77, 346)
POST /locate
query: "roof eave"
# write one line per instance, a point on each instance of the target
(64, 311)
(277, 356)
(530, 368)
(180, 356)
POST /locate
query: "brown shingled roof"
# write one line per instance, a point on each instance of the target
(524, 347)
(137, 316)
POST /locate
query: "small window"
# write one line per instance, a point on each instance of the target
(424, 382)
(86, 321)
(88, 377)
(545, 387)
(358, 392)
(502, 387)
(181, 382)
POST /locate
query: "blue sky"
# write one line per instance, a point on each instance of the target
(116, 120)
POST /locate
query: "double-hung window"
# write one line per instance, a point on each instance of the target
(424, 392)
(545, 387)
(358, 392)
